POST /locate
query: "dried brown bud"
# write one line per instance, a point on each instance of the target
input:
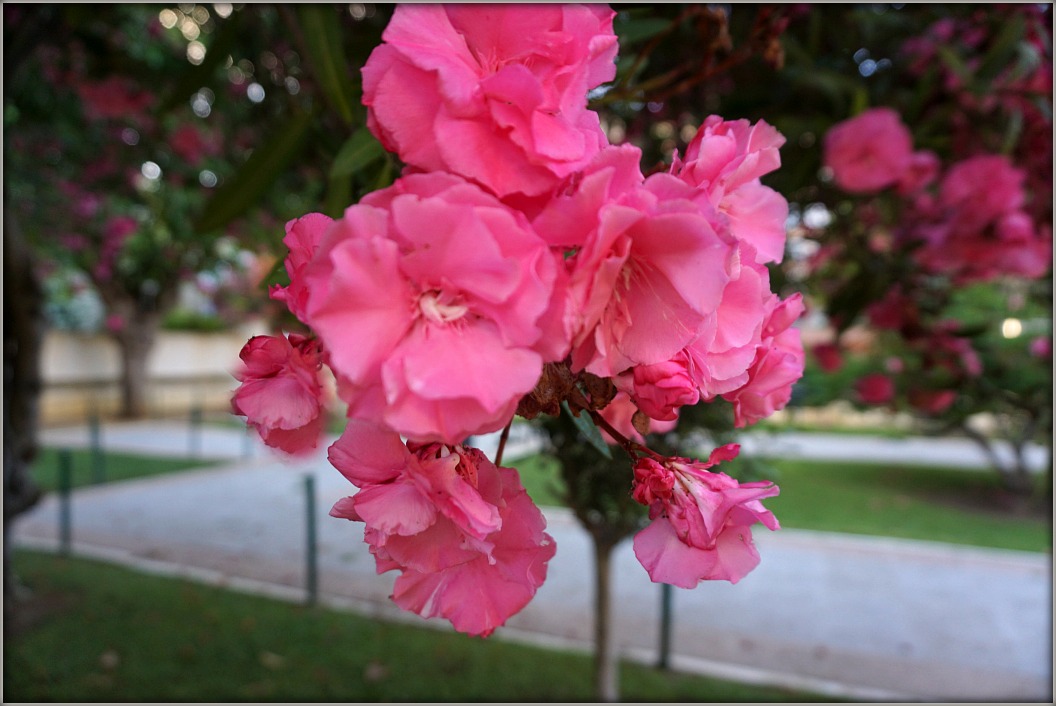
(555, 385)
(599, 390)
(640, 422)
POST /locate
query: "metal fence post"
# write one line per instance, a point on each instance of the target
(65, 483)
(96, 445)
(195, 438)
(664, 661)
(312, 567)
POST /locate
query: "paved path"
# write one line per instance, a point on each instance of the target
(868, 618)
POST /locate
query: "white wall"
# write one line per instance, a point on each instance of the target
(80, 372)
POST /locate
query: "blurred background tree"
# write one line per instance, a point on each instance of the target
(967, 81)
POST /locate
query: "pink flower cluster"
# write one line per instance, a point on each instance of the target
(462, 531)
(518, 239)
(969, 220)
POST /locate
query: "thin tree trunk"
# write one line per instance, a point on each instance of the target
(606, 663)
(136, 331)
(135, 343)
(1016, 477)
(23, 340)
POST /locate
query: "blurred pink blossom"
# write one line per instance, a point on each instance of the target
(280, 393)
(932, 401)
(828, 357)
(875, 389)
(191, 145)
(115, 323)
(114, 98)
(1041, 347)
(868, 152)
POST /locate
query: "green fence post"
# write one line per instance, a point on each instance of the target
(312, 567)
(96, 444)
(65, 483)
(665, 626)
(196, 431)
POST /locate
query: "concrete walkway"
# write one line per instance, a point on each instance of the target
(866, 618)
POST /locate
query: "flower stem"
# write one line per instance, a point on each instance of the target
(502, 442)
(633, 448)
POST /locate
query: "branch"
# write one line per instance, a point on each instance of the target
(502, 442)
(632, 448)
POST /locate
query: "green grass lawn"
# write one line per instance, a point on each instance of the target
(95, 632)
(913, 502)
(115, 466)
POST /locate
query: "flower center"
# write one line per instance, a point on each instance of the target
(442, 307)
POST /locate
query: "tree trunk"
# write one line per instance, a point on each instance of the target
(606, 660)
(23, 338)
(135, 342)
(135, 329)
(1015, 476)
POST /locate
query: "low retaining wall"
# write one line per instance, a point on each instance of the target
(81, 371)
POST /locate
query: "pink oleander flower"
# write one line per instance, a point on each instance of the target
(932, 401)
(701, 520)
(74, 242)
(875, 388)
(117, 229)
(437, 306)
(828, 357)
(724, 351)
(620, 414)
(923, 169)
(944, 347)
(191, 145)
(894, 311)
(281, 393)
(115, 323)
(648, 255)
(114, 98)
(778, 364)
(868, 152)
(494, 93)
(1041, 347)
(661, 389)
(467, 540)
(303, 236)
(977, 191)
(725, 160)
(978, 229)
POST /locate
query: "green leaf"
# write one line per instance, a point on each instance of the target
(860, 101)
(338, 195)
(358, 152)
(1012, 132)
(589, 431)
(637, 30)
(1002, 52)
(385, 175)
(259, 172)
(323, 42)
(954, 63)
